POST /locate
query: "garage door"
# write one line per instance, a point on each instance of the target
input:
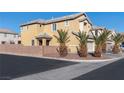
(90, 46)
(109, 46)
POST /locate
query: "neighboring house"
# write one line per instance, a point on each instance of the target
(122, 44)
(8, 37)
(40, 32)
(98, 30)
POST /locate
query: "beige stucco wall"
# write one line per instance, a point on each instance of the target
(28, 33)
(34, 30)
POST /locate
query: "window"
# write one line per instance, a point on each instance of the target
(19, 42)
(66, 23)
(54, 27)
(85, 23)
(81, 24)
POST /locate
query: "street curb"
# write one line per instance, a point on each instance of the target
(91, 61)
(62, 59)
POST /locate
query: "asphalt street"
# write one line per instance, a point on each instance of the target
(16, 66)
(113, 71)
(21, 67)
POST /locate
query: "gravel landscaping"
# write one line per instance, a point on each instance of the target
(76, 57)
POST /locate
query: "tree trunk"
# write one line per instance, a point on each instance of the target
(62, 50)
(98, 51)
(116, 49)
(104, 48)
(82, 52)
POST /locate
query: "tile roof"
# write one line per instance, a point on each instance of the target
(68, 17)
(40, 21)
(97, 28)
(122, 33)
(90, 35)
(7, 31)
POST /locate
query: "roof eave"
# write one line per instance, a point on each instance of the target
(9, 33)
(88, 18)
(31, 24)
(53, 21)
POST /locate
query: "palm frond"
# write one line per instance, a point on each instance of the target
(62, 36)
(117, 38)
(82, 37)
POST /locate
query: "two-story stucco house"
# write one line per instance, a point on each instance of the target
(97, 30)
(40, 32)
(8, 37)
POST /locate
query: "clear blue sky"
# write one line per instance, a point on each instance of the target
(111, 20)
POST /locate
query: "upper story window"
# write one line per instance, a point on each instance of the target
(66, 23)
(54, 27)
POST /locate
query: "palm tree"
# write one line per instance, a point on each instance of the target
(82, 37)
(118, 39)
(98, 44)
(105, 36)
(62, 39)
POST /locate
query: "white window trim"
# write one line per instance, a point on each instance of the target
(81, 26)
(65, 23)
(52, 27)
